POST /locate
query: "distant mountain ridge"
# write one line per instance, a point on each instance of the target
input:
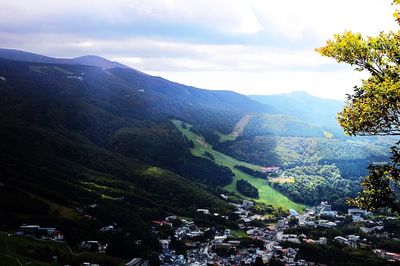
(160, 87)
(308, 108)
(90, 60)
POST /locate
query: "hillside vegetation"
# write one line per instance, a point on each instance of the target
(83, 148)
(266, 193)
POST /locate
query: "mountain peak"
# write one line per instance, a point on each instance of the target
(94, 60)
(90, 60)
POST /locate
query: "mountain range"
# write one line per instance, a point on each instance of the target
(310, 109)
(87, 142)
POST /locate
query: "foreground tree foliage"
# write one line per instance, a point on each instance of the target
(374, 107)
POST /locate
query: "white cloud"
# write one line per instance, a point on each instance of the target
(226, 16)
(294, 18)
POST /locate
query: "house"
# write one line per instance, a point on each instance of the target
(165, 245)
(234, 242)
(323, 241)
(29, 228)
(161, 223)
(353, 238)
(326, 209)
(309, 223)
(281, 223)
(204, 211)
(293, 240)
(219, 239)
(325, 223)
(46, 232)
(341, 240)
(225, 197)
(387, 255)
(195, 233)
(56, 235)
(109, 228)
(171, 218)
(356, 212)
(247, 204)
(293, 212)
(270, 169)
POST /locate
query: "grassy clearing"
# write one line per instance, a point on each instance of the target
(267, 194)
(226, 137)
(237, 131)
(63, 70)
(39, 69)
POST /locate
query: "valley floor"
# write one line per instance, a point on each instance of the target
(267, 194)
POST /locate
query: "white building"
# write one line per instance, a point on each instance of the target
(247, 204)
(204, 211)
(342, 240)
(356, 212)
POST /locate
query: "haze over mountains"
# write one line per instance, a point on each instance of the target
(310, 109)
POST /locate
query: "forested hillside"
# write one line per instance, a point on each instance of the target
(314, 163)
(86, 146)
(83, 147)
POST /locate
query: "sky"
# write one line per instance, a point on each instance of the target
(248, 46)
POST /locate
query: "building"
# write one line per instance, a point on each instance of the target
(356, 212)
(247, 204)
(225, 197)
(56, 235)
(219, 239)
(281, 223)
(293, 212)
(109, 228)
(165, 245)
(46, 232)
(195, 233)
(341, 240)
(353, 238)
(323, 241)
(325, 209)
(325, 223)
(171, 218)
(387, 255)
(227, 232)
(204, 211)
(270, 169)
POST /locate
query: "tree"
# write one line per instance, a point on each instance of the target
(374, 107)
(246, 188)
